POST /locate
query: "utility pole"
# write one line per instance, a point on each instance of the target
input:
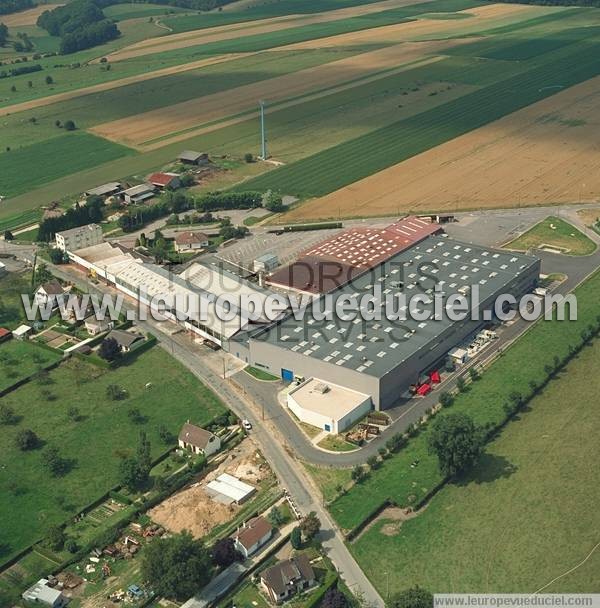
(263, 138)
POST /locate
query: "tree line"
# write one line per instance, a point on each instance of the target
(81, 24)
(12, 6)
(79, 215)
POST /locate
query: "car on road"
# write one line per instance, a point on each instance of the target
(246, 424)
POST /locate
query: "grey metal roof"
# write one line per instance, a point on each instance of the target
(376, 347)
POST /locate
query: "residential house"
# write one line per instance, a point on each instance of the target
(287, 578)
(42, 593)
(5, 334)
(96, 326)
(198, 440)
(79, 238)
(252, 536)
(138, 194)
(188, 241)
(165, 180)
(50, 294)
(125, 339)
(189, 157)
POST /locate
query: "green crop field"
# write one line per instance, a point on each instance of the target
(350, 161)
(34, 165)
(31, 499)
(135, 10)
(523, 362)
(534, 489)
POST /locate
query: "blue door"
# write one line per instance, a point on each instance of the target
(287, 375)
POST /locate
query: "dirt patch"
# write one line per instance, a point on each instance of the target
(143, 128)
(249, 28)
(589, 216)
(194, 510)
(393, 518)
(28, 17)
(546, 153)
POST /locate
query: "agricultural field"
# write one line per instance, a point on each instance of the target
(554, 233)
(484, 402)
(93, 442)
(534, 488)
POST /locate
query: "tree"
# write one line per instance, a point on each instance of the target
(54, 462)
(71, 545)
(224, 552)
(57, 123)
(373, 462)
(248, 157)
(7, 415)
(26, 439)
(56, 537)
(276, 517)
(69, 125)
(49, 80)
(130, 474)
(165, 435)
(177, 566)
(461, 384)
(136, 416)
(456, 442)
(334, 598)
(358, 473)
(115, 392)
(8, 235)
(395, 443)
(416, 597)
(57, 256)
(310, 525)
(109, 349)
(296, 538)
(446, 399)
(74, 414)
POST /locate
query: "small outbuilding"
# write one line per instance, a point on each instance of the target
(22, 332)
(106, 190)
(198, 440)
(188, 241)
(255, 533)
(138, 194)
(96, 326)
(42, 593)
(190, 157)
(5, 334)
(266, 263)
(227, 489)
(164, 181)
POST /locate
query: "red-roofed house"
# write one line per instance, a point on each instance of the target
(165, 180)
(5, 334)
(190, 241)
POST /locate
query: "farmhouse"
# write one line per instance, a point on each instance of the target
(189, 157)
(252, 536)
(287, 578)
(50, 294)
(138, 194)
(105, 190)
(164, 181)
(198, 440)
(78, 238)
(42, 593)
(188, 241)
(329, 407)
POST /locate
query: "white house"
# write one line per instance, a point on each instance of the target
(50, 294)
(198, 440)
(79, 238)
(252, 536)
(42, 593)
(191, 241)
(96, 326)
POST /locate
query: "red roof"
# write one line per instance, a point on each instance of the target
(435, 377)
(424, 389)
(161, 179)
(191, 238)
(3, 332)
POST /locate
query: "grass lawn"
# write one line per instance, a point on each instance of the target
(329, 480)
(260, 374)
(19, 359)
(521, 363)
(336, 443)
(247, 596)
(55, 158)
(554, 232)
(30, 499)
(525, 515)
(12, 286)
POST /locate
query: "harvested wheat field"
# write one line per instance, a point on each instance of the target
(136, 130)
(28, 17)
(250, 28)
(490, 15)
(544, 154)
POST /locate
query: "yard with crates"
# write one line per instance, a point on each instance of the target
(71, 409)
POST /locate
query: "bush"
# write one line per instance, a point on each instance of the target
(26, 439)
(248, 157)
(69, 125)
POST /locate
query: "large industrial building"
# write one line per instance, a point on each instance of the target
(384, 358)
